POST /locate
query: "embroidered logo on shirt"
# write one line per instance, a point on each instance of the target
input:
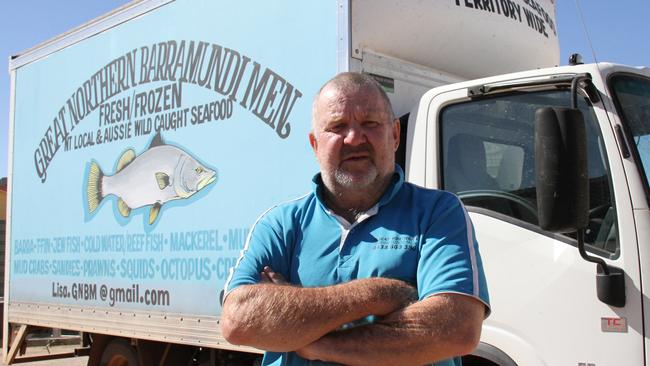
(397, 242)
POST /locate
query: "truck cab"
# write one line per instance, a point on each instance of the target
(477, 139)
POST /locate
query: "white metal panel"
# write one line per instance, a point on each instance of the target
(642, 218)
(343, 28)
(543, 297)
(634, 221)
(459, 37)
(10, 159)
(416, 144)
(201, 331)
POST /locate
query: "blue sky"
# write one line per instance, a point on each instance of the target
(618, 31)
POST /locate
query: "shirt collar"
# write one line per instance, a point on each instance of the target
(394, 187)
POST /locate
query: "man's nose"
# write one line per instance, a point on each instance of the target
(355, 135)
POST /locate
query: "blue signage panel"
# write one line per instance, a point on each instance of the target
(143, 154)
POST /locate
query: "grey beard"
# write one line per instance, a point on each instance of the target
(346, 180)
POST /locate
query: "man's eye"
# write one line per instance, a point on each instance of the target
(336, 128)
(371, 124)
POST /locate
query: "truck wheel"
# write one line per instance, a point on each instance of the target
(119, 352)
(471, 360)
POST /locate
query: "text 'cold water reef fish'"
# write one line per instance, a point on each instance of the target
(160, 174)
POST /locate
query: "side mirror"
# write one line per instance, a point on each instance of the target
(561, 169)
(562, 181)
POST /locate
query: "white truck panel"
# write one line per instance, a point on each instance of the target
(180, 328)
(5, 324)
(546, 311)
(460, 37)
(643, 233)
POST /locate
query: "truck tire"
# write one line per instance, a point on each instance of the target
(119, 352)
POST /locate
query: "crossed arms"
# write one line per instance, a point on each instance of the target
(278, 317)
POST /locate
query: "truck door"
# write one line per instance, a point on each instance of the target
(545, 307)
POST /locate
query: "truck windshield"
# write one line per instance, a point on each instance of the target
(632, 95)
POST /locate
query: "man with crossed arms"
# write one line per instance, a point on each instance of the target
(367, 269)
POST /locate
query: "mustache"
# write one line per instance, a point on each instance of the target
(350, 151)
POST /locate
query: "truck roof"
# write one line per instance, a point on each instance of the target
(602, 68)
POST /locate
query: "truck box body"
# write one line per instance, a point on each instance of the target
(220, 85)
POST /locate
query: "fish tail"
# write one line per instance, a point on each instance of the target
(94, 187)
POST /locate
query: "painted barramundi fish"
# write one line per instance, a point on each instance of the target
(160, 174)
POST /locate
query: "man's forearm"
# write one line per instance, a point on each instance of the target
(284, 318)
(437, 328)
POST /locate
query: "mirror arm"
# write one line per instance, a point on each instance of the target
(587, 257)
(610, 280)
(574, 89)
(588, 86)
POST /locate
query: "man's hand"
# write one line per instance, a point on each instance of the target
(275, 316)
(269, 276)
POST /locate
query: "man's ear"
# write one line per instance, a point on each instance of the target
(313, 142)
(396, 132)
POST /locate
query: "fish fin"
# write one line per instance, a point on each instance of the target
(162, 179)
(125, 159)
(94, 186)
(156, 141)
(124, 209)
(153, 214)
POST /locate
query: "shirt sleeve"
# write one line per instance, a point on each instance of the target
(265, 246)
(449, 258)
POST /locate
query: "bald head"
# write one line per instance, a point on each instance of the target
(350, 83)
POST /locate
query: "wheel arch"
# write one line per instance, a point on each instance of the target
(486, 351)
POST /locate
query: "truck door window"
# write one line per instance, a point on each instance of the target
(489, 160)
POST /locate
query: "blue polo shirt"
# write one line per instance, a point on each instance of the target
(421, 236)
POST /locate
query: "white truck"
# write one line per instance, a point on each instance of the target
(145, 143)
